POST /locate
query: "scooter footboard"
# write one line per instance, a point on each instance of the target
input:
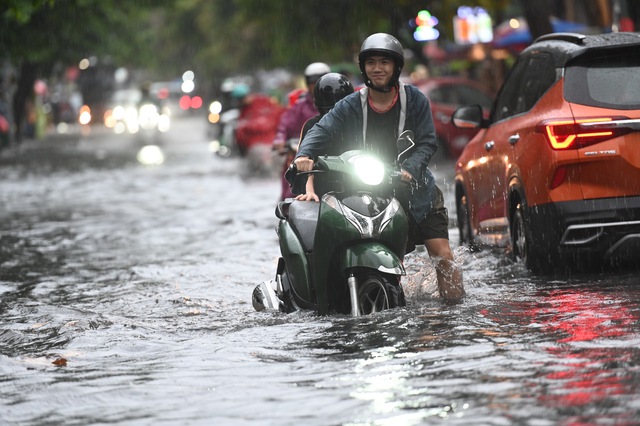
(372, 255)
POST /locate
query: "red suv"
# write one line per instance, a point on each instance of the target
(554, 173)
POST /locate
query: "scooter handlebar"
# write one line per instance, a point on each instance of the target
(396, 179)
(289, 146)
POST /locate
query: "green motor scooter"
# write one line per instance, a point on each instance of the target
(343, 254)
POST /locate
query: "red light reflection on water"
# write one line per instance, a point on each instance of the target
(584, 316)
(592, 338)
(589, 372)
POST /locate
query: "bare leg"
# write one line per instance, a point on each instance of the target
(449, 274)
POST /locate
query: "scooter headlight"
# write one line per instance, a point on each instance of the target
(369, 169)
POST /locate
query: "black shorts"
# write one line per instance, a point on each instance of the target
(434, 225)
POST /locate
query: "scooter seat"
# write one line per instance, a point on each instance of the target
(303, 216)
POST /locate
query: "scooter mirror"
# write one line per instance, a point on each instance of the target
(405, 144)
(297, 181)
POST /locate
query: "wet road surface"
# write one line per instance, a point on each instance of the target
(125, 298)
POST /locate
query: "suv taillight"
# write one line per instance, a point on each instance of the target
(574, 134)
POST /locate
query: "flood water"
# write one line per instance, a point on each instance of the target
(125, 299)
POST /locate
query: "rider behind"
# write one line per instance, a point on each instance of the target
(373, 118)
(293, 119)
(330, 89)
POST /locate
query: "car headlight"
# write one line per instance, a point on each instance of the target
(215, 107)
(369, 169)
(148, 116)
(119, 112)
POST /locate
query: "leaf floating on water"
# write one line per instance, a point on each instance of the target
(39, 325)
(60, 362)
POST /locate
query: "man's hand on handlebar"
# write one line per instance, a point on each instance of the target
(405, 176)
(304, 164)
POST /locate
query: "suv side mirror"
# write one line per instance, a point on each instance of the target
(469, 117)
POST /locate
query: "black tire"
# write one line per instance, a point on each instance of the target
(519, 239)
(464, 223)
(377, 292)
(532, 254)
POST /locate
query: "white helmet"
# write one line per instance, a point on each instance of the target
(314, 71)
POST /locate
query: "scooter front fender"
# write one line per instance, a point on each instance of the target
(297, 265)
(373, 255)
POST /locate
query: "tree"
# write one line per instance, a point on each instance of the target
(538, 18)
(213, 38)
(38, 34)
(228, 36)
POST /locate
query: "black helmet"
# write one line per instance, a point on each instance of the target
(384, 45)
(330, 89)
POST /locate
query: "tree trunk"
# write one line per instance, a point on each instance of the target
(26, 80)
(538, 17)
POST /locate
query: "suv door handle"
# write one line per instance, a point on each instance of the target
(513, 139)
(489, 145)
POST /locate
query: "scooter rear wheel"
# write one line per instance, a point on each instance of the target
(377, 292)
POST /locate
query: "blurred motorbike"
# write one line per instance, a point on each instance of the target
(222, 130)
(255, 131)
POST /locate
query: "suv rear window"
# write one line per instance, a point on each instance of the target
(607, 81)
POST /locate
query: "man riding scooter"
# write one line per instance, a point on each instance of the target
(372, 119)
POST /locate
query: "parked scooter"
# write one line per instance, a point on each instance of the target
(343, 254)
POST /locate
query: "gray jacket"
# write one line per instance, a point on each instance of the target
(344, 128)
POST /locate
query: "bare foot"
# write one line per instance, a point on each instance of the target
(450, 282)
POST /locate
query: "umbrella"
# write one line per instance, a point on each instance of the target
(516, 31)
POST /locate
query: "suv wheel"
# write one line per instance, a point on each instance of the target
(532, 254)
(519, 239)
(464, 222)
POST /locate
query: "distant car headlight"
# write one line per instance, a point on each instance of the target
(369, 169)
(130, 118)
(215, 107)
(148, 110)
(164, 123)
(118, 113)
(109, 120)
(148, 116)
(85, 115)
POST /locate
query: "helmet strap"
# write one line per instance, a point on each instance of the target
(385, 89)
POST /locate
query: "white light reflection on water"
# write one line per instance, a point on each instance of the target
(150, 155)
(389, 390)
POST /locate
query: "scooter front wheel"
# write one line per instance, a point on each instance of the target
(377, 292)
(288, 302)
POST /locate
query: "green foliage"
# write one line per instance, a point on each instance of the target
(21, 10)
(214, 38)
(247, 35)
(44, 32)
